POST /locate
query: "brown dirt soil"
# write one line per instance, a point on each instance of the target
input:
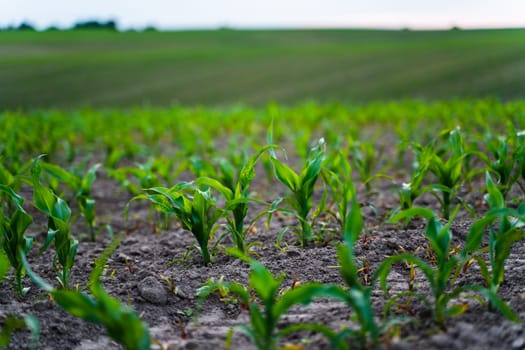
(135, 270)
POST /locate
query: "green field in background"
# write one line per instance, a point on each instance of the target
(222, 67)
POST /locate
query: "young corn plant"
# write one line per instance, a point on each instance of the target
(441, 277)
(504, 163)
(338, 177)
(270, 304)
(12, 227)
(356, 295)
(410, 191)
(448, 171)
(122, 323)
(505, 226)
(365, 157)
(237, 196)
(195, 208)
(81, 185)
(135, 179)
(59, 225)
(302, 187)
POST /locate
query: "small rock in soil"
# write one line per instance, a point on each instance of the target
(130, 241)
(145, 249)
(292, 251)
(41, 305)
(123, 258)
(101, 343)
(518, 343)
(153, 291)
(441, 340)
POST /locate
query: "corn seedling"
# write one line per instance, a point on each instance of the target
(13, 226)
(302, 187)
(364, 157)
(448, 170)
(408, 192)
(135, 179)
(441, 278)
(506, 161)
(357, 296)
(81, 186)
(505, 227)
(59, 225)
(195, 208)
(268, 304)
(4, 265)
(237, 198)
(122, 323)
(338, 176)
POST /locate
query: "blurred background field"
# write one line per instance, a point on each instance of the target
(70, 69)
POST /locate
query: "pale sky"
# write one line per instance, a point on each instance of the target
(177, 14)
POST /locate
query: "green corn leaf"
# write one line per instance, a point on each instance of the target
(89, 179)
(4, 265)
(71, 180)
(49, 239)
(361, 303)
(44, 199)
(228, 173)
(286, 175)
(302, 294)
(456, 310)
(499, 304)
(348, 268)
(353, 225)
(169, 201)
(224, 190)
(6, 178)
(32, 323)
(60, 209)
(502, 246)
(247, 173)
(248, 332)
(261, 330)
(383, 270)
(20, 222)
(100, 262)
(439, 238)
(34, 277)
(475, 235)
(411, 213)
(78, 304)
(17, 200)
(493, 197)
(263, 282)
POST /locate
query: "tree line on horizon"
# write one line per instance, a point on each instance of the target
(110, 25)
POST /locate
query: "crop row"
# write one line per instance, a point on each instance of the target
(219, 206)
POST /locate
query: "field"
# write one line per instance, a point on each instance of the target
(188, 224)
(265, 189)
(225, 67)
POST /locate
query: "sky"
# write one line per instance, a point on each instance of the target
(189, 14)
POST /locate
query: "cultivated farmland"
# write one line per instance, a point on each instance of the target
(111, 69)
(390, 225)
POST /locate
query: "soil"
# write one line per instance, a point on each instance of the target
(157, 272)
